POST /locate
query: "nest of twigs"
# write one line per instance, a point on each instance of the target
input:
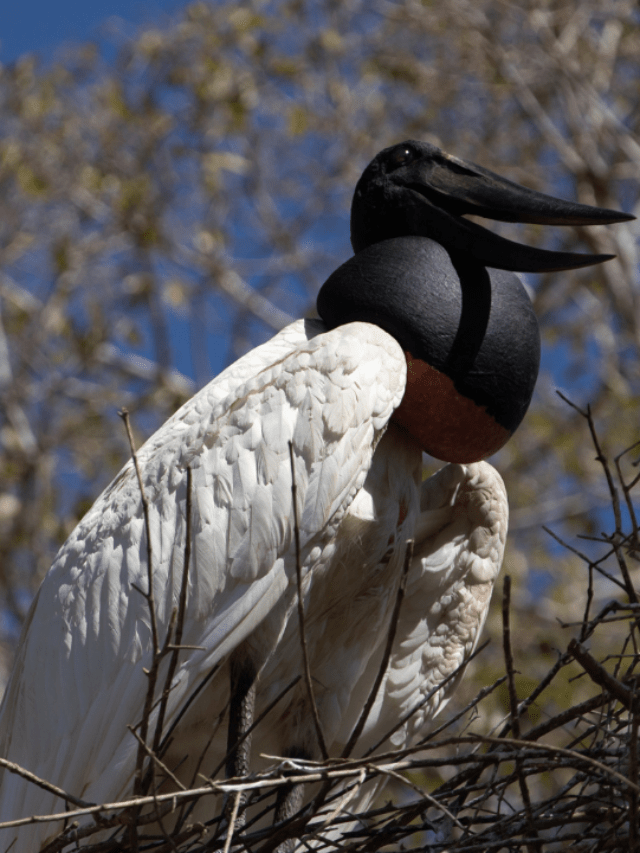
(496, 795)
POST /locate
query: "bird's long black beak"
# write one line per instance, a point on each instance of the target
(456, 187)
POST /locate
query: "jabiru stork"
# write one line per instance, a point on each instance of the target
(426, 342)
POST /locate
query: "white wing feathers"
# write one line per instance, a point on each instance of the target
(459, 544)
(79, 681)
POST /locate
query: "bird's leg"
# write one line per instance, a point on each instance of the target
(288, 802)
(241, 709)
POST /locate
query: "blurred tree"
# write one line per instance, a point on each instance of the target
(164, 212)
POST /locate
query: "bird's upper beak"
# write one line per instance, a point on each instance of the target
(450, 187)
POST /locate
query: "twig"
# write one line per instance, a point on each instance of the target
(508, 656)
(346, 798)
(12, 767)
(301, 620)
(424, 795)
(599, 675)
(77, 833)
(173, 663)
(594, 564)
(633, 776)
(569, 716)
(601, 458)
(192, 698)
(152, 755)
(384, 663)
(626, 490)
(152, 673)
(513, 701)
(615, 498)
(569, 753)
(232, 821)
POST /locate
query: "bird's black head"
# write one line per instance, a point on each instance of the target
(415, 189)
(445, 289)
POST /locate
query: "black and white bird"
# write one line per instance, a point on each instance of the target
(427, 342)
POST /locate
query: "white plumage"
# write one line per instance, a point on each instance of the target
(78, 681)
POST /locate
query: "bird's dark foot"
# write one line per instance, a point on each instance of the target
(241, 713)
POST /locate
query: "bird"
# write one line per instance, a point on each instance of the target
(298, 472)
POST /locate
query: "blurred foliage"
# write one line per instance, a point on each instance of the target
(191, 195)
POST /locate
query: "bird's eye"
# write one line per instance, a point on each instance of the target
(401, 156)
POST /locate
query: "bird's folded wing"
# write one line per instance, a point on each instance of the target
(459, 545)
(79, 678)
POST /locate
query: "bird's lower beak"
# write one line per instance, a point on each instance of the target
(458, 187)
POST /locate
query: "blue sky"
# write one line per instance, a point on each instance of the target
(43, 26)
